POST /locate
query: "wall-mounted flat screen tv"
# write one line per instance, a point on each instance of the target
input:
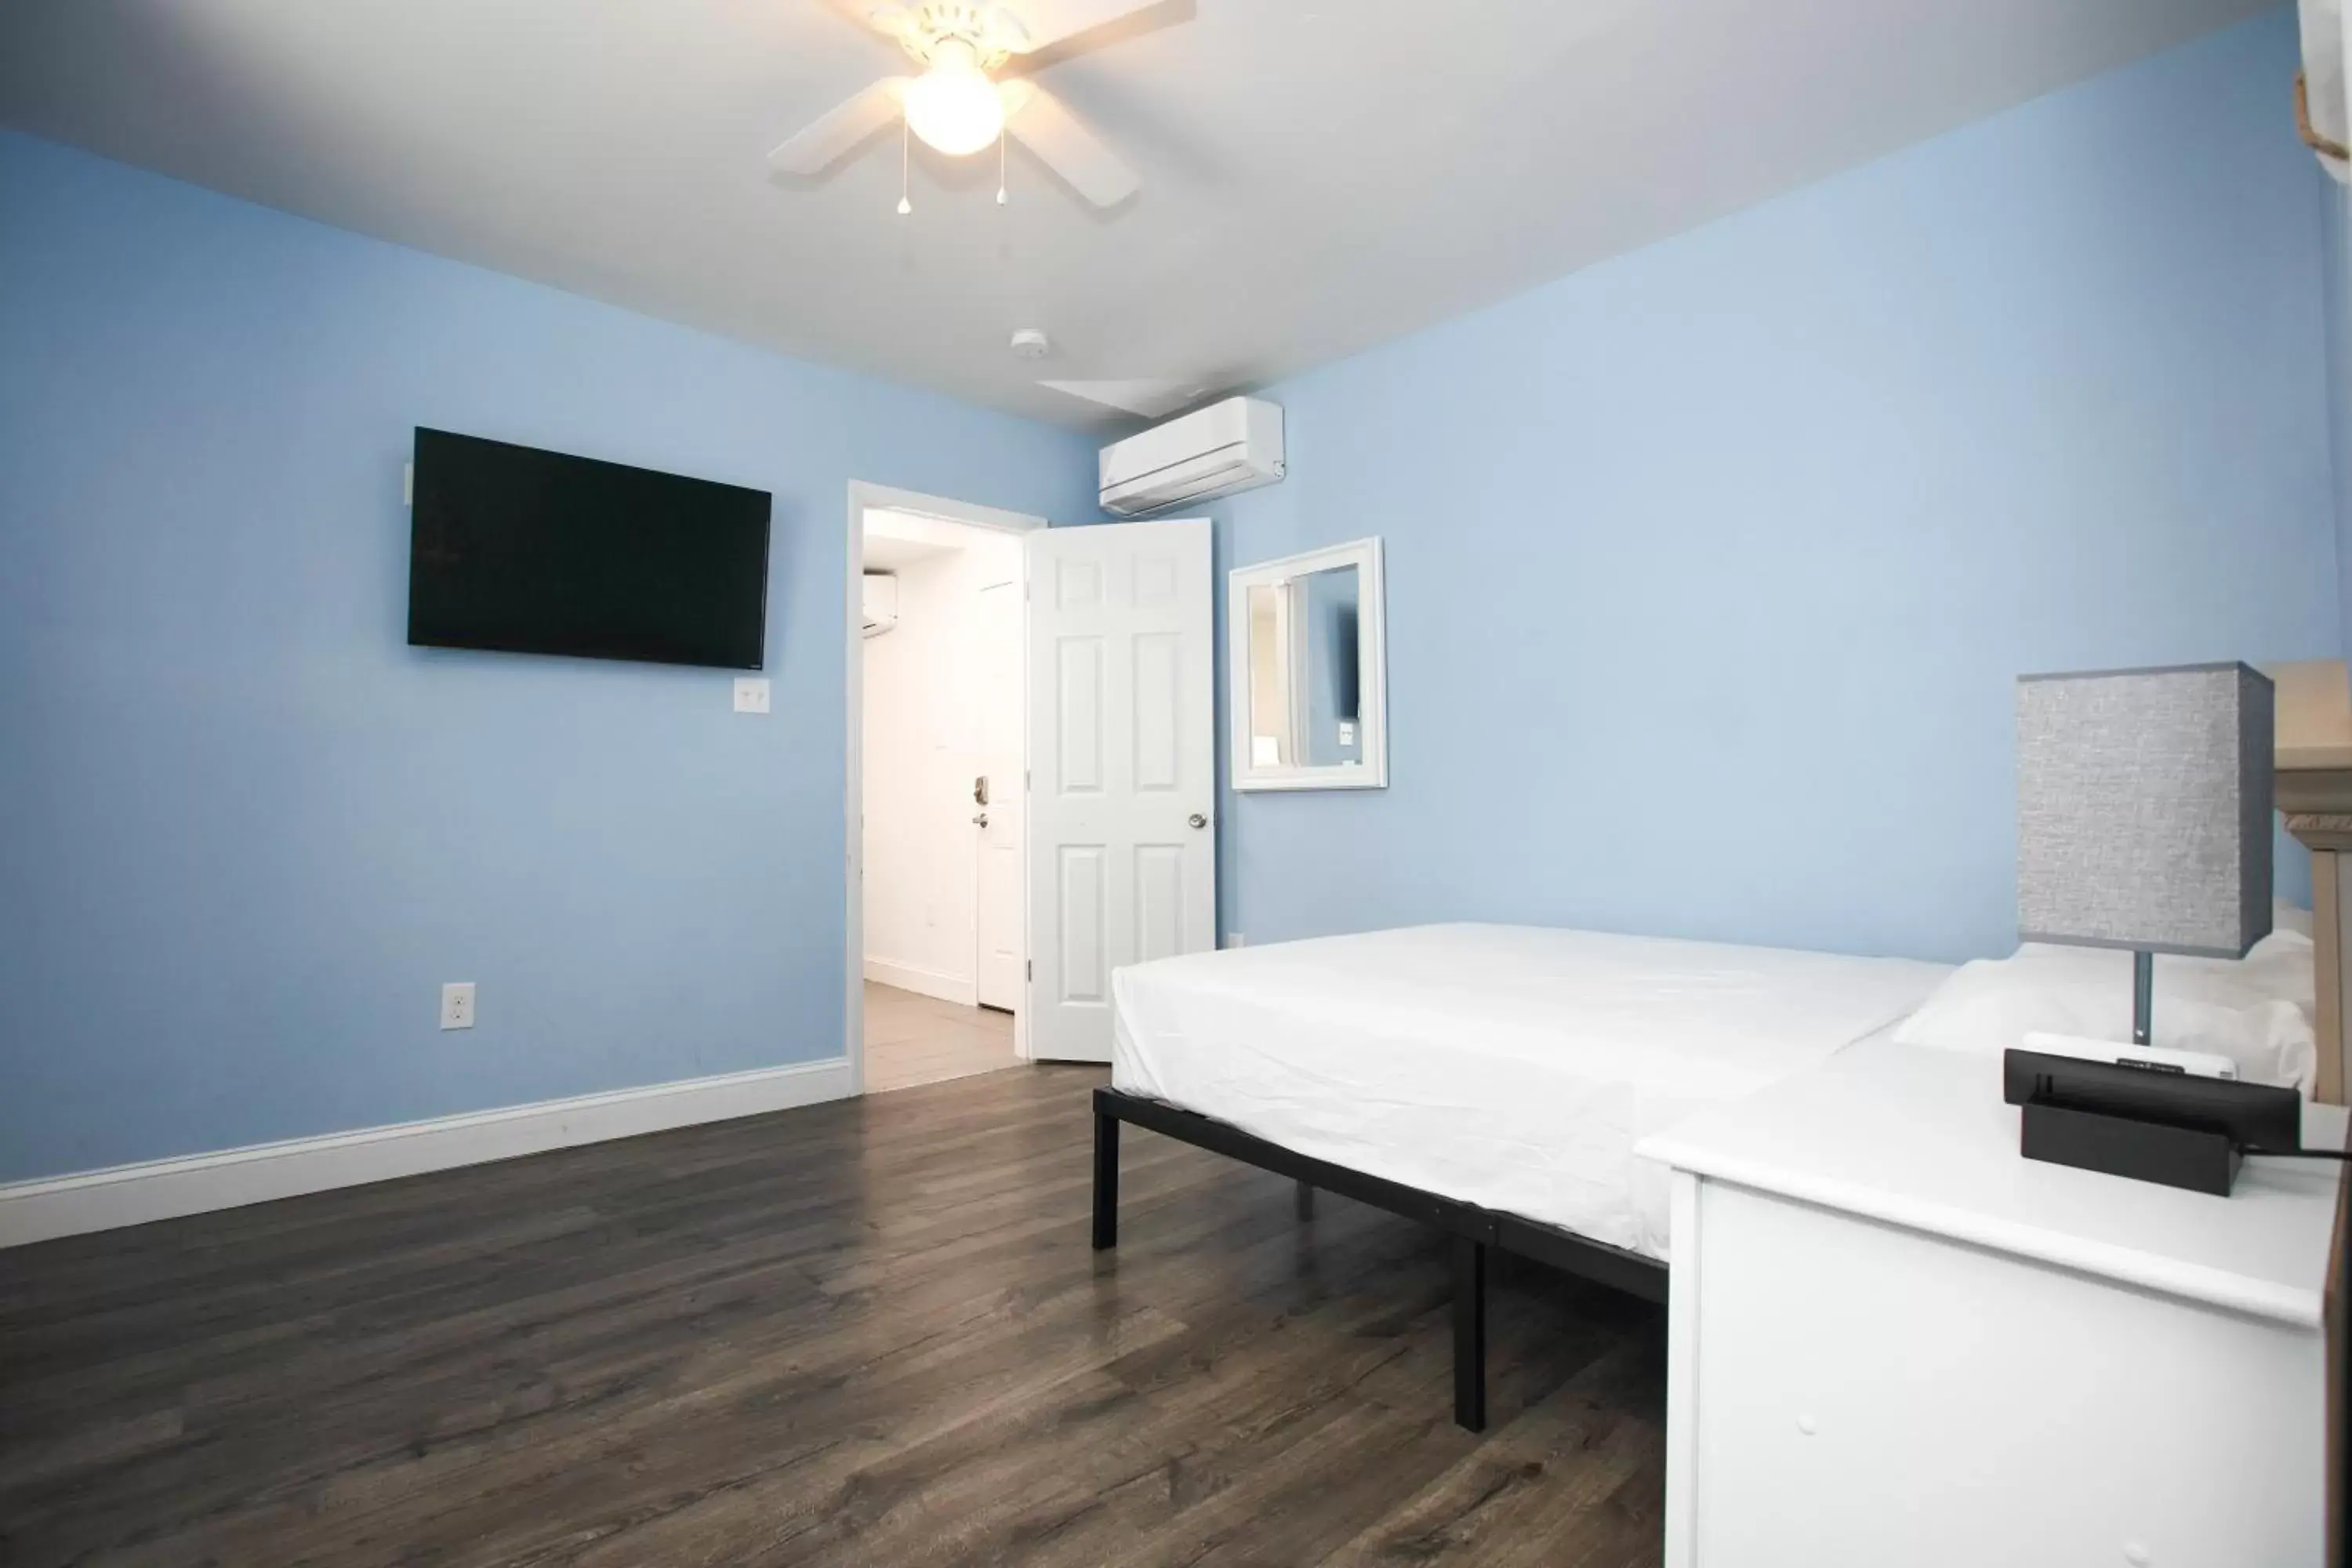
(521, 550)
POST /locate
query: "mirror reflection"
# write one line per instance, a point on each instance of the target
(1306, 667)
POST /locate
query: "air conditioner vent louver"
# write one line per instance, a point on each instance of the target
(1225, 447)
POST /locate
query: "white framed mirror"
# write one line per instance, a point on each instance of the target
(1308, 670)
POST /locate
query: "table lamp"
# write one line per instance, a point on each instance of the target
(2144, 814)
(2144, 823)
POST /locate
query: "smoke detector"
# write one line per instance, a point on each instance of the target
(1031, 344)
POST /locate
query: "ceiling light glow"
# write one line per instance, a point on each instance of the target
(953, 105)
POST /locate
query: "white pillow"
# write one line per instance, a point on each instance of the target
(2290, 917)
(2256, 1011)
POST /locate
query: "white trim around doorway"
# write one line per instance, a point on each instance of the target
(864, 497)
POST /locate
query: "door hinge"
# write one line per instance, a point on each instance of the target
(1028, 969)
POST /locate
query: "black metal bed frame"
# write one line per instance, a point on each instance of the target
(1475, 1230)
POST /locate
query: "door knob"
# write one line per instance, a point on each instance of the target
(979, 819)
(1196, 820)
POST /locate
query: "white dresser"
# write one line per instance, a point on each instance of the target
(1894, 1341)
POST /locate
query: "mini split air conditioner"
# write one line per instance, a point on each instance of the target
(878, 598)
(1231, 446)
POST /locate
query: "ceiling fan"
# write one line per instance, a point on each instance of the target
(958, 106)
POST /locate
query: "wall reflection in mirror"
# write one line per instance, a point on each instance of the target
(1308, 671)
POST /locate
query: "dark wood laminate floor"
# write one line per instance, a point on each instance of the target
(865, 1333)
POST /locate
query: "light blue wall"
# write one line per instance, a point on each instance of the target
(1709, 568)
(2335, 206)
(250, 832)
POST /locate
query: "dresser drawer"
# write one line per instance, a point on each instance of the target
(1868, 1394)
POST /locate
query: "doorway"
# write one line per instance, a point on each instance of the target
(938, 717)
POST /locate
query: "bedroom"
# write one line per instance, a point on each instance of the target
(1737, 424)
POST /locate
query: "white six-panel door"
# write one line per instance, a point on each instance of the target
(1122, 767)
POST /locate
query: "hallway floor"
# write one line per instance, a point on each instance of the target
(912, 1038)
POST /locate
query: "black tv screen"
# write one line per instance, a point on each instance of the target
(521, 550)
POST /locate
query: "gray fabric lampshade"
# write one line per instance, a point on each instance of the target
(2143, 809)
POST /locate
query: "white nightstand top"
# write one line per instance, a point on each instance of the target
(1918, 1137)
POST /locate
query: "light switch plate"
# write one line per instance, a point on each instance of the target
(750, 694)
(458, 1004)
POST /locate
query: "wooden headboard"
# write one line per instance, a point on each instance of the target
(2315, 794)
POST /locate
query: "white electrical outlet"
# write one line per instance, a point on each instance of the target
(458, 1004)
(750, 694)
(1236, 939)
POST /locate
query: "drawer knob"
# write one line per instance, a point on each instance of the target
(1806, 1425)
(2136, 1555)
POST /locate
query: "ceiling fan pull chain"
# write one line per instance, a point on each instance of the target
(999, 166)
(905, 136)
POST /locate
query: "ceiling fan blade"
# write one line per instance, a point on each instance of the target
(890, 18)
(1045, 22)
(1043, 125)
(838, 133)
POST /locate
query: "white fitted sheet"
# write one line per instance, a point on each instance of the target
(1511, 1067)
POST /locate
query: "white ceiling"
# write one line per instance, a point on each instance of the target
(1318, 175)
(896, 539)
(886, 554)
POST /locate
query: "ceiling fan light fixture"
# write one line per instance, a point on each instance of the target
(953, 105)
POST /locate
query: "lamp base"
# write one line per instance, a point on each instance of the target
(2197, 1160)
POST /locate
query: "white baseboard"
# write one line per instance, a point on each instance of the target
(228, 1178)
(959, 988)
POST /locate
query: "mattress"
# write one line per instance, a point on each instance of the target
(1511, 1067)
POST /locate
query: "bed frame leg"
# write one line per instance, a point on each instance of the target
(1303, 1201)
(1105, 1180)
(1469, 1334)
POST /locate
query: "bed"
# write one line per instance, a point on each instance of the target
(1488, 1080)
